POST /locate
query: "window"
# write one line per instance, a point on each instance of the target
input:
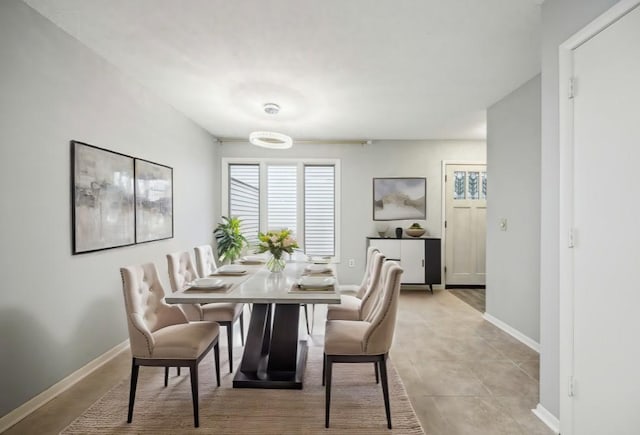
(470, 185)
(319, 210)
(282, 198)
(244, 198)
(302, 195)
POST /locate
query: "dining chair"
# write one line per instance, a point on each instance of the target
(181, 272)
(205, 261)
(352, 307)
(160, 334)
(358, 290)
(365, 341)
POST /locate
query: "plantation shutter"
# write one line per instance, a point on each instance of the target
(244, 198)
(319, 210)
(282, 198)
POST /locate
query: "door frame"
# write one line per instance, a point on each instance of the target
(443, 209)
(566, 148)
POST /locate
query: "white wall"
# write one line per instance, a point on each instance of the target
(359, 165)
(59, 311)
(560, 20)
(513, 164)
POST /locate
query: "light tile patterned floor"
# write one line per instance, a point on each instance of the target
(464, 375)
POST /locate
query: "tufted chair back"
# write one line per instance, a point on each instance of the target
(371, 296)
(379, 336)
(366, 279)
(145, 307)
(205, 261)
(182, 271)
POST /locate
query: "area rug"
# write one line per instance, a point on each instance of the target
(357, 405)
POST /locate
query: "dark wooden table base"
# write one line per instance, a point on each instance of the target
(273, 357)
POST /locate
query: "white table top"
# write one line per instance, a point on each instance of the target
(259, 286)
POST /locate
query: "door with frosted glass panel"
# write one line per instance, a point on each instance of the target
(465, 224)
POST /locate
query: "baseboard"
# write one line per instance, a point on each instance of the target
(547, 418)
(27, 408)
(512, 332)
(467, 286)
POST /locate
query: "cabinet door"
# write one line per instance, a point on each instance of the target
(412, 261)
(390, 248)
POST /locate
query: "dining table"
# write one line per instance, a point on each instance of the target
(274, 355)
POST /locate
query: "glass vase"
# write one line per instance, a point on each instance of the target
(275, 264)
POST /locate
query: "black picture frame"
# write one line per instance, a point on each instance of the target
(399, 198)
(102, 199)
(153, 201)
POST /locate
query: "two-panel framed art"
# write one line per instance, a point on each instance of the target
(118, 200)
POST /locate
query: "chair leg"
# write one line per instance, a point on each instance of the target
(216, 356)
(385, 388)
(132, 391)
(306, 317)
(193, 368)
(178, 371)
(230, 344)
(166, 376)
(324, 367)
(242, 328)
(375, 366)
(327, 393)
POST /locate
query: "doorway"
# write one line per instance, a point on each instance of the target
(465, 205)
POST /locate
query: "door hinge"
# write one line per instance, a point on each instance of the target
(445, 178)
(445, 224)
(571, 238)
(445, 269)
(572, 88)
(570, 392)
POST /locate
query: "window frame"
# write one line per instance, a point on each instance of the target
(300, 163)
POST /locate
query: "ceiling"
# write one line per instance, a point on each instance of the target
(339, 69)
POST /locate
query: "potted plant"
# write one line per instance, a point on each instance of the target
(229, 239)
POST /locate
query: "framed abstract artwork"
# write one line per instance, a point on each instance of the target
(103, 207)
(399, 198)
(154, 201)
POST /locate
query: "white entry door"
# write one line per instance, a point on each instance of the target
(465, 224)
(606, 296)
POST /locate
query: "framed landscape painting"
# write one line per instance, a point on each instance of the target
(399, 198)
(154, 201)
(102, 198)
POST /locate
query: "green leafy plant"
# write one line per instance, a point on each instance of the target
(415, 225)
(229, 239)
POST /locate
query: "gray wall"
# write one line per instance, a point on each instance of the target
(359, 164)
(560, 20)
(58, 311)
(513, 256)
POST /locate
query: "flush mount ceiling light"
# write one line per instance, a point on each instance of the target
(270, 139)
(271, 108)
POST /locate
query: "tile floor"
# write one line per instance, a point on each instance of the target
(462, 374)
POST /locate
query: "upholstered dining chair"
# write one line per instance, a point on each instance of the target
(365, 341)
(160, 334)
(205, 261)
(181, 272)
(358, 290)
(355, 307)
